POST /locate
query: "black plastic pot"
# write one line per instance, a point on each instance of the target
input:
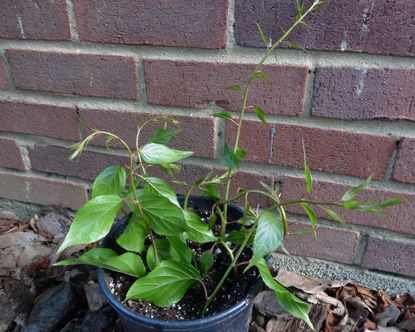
(236, 318)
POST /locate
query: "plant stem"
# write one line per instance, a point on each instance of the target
(186, 198)
(248, 88)
(298, 201)
(230, 267)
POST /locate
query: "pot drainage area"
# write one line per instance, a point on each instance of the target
(35, 296)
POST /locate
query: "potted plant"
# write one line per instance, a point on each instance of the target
(202, 250)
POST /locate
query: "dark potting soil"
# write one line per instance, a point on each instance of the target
(233, 290)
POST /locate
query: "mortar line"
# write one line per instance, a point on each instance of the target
(73, 28)
(309, 92)
(230, 33)
(141, 82)
(235, 54)
(361, 249)
(391, 162)
(9, 71)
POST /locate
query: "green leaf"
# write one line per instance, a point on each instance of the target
(128, 263)
(211, 190)
(156, 154)
(197, 230)
(239, 153)
(308, 179)
(165, 218)
(353, 191)
(179, 250)
(206, 262)
(312, 216)
(288, 301)
(295, 46)
(223, 115)
(93, 221)
(238, 237)
(390, 202)
(134, 235)
(166, 284)
(269, 235)
(334, 215)
(163, 135)
(260, 114)
(260, 74)
(163, 253)
(229, 158)
(351, 204)
(110, 181)
(234, 88)
(162, 188)
(261, 33)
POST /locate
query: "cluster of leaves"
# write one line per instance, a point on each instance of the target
(156, 239)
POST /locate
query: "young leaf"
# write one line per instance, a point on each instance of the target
(239, 153)
(163, 135)
(127, 263)
(93, 221)
(390, 202)
(334, 215)
(260, 114)
(211, 190)
(223, 115)
(133, 236)
(307, 174)
(166, 284)
(179, 250)
(312, 216)
(237, 237)
(110, 181)
(353, 191)
(165, 218)
(288, 301)
(163, 253)
(261, 33)
(234, 88)
(269, 235)
(156, 154)
(229, 158)
(197, 230)
(162, 188)
(295, 46)
(260, 74)
(206, 262)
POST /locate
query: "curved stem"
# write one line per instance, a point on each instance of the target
(186, 198)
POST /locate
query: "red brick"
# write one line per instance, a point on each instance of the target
(355, 25)
(400, 218)
(404, 170)
(391, 256)
(38, 119)
(197, 133)
(359, 93)
(170, 23)
(55, 159)
(332, 151)
(43, 191)
(10, 155)
(204, 82)
(332, 244)
(22, 19)
(4, 78)
(255, 139)
(83, 74)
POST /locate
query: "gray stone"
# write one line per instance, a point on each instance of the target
(94, 296)
(266, 304)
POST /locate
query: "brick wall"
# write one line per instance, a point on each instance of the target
(351, 98)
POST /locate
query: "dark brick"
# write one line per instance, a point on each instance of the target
(391, 256)
(359, 93)
(332, 244)
(186, 23)
(332, 151)
(204, 82)
(10, 155)
(356, 25)
(398, 219)
(38, 119)
(83, 74)
(54, 159)
(4, 78)
(404, 170)
(197, 133)
(43, 191)
(22, 19)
